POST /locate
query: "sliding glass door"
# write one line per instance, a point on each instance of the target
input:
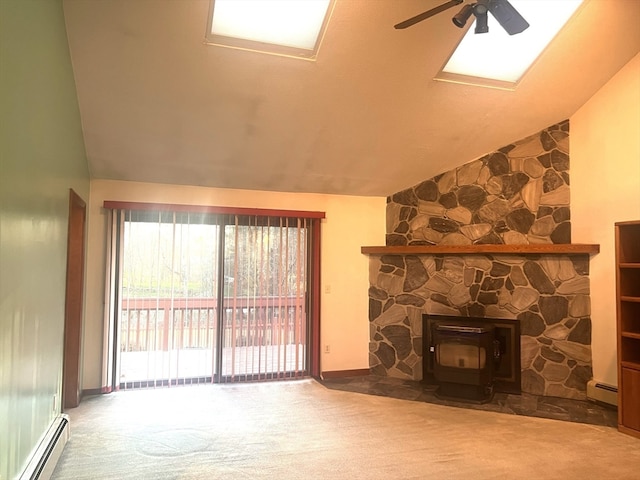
(202, 297)
(167, 326)
(265, 330)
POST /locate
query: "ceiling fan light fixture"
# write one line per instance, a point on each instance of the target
(508, 17)
(502, 10)
(482, 24)
(461, 18)
(499, 58)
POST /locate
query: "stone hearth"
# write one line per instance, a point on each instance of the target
(582, 411)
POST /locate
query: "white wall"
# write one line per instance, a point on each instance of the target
(605, 188)
(350, 223)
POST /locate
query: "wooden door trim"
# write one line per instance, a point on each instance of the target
(74, 301)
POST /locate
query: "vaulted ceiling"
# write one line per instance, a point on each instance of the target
(365, 118)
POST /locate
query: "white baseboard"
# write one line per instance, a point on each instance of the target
(48, 452)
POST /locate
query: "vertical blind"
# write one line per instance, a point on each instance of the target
(206, 296)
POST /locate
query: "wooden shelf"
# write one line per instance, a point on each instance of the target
(535, 249)
(628, 325)
(633, 365)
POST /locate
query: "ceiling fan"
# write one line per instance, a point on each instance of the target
(506, 15)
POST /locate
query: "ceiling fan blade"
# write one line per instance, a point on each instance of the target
(508, 16)
(427, 14)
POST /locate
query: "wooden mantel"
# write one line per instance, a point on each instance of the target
(530, 249)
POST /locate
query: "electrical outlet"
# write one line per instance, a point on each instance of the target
(327, 349)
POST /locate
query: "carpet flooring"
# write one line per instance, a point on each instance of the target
(304, 430)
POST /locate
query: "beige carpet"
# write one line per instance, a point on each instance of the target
(301, 430)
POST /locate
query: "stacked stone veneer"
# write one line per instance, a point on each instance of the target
(518, 194)
(549, 294)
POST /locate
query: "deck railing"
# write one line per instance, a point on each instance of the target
(160, 324)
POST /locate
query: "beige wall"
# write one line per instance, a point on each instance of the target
(350, 223)
(605, 181)
(605, 188)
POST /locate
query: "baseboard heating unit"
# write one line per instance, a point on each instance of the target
(48, 452)
(601, 392)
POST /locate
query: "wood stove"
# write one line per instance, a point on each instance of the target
(469, 357)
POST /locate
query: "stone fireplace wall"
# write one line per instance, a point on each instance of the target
(516, 195)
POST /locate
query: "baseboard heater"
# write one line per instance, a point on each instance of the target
(48, 452)
(601, 392)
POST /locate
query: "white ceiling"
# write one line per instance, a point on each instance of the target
(366, 118)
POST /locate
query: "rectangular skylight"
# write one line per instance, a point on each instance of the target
(281, 27)
(503, 58)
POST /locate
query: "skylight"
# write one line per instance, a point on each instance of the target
(281, 27)
(499, 59)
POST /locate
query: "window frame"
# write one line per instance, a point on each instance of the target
(264, 47)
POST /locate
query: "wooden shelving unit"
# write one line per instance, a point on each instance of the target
(628, 321)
